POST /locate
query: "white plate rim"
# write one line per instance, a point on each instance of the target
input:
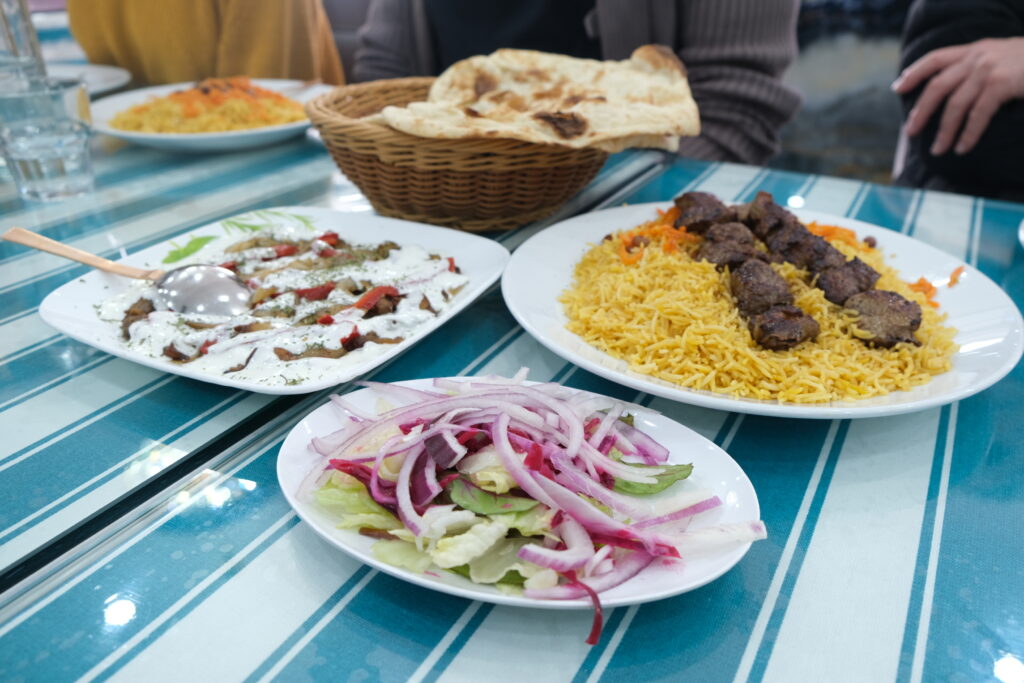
(472, 251)
(290, 478)
(105, 108)
(528, 259)
(113, 76)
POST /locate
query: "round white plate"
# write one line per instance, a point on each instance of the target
(105, 109)
(98, 78)
(712, 469)
(990, 329)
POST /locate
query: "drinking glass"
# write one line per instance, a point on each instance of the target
(44, 98)
(20, 57)
(48, 158)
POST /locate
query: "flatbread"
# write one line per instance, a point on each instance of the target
(643, 101)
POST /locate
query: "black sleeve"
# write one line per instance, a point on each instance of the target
(997, 161)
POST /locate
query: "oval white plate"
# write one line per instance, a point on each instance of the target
(70, 307)
(98, 78)
(105, 109)
(712, 469)
(990, 329)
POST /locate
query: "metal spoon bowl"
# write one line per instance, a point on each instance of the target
(205, 289)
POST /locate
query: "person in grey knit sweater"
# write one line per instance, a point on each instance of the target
(735, 51)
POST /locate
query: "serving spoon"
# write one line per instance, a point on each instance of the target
(189, 289)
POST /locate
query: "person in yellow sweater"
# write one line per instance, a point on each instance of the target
(173, 41)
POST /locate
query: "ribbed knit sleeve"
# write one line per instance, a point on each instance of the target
(735, 52)
(390, 42)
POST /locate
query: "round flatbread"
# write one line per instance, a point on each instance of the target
(643, 101)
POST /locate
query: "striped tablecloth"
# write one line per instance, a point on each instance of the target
(894, 550)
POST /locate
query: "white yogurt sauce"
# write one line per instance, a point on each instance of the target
(409, 269)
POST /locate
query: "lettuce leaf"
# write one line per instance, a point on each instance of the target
(451, 551)
(671, 474)
(471, 497)
(533, 522)
(348, 500)
(401, 554)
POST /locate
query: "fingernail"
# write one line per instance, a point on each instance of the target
(961, 148)
(937, 150)
(896, 84)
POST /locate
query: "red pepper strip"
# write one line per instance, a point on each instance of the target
(327, 252)
(447, 479)
(467, 435)
(230, 265)
(598, 625)
(451, 265)
(285, 250)
(536, 461)
(315, 293)
(370, 299)
(325, 319)
(330, 238)
(353, 335)
(206, 346)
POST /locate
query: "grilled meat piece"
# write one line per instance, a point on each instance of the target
(853, 277)
(796, 244)
(729, 244)
(763, 216)
(887, 315)
(698, 211)
(136, 312)
(172, 352)
(757, 287)
(783, 327)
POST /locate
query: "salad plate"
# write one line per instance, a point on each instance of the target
(79, 308)
(98, 78)
(105, 109)
(990, 331)
(713, 470)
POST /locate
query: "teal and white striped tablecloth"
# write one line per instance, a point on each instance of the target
(894, 550)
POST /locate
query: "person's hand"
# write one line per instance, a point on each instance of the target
(974, 80)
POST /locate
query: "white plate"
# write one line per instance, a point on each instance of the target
(712, 469)
(105, 109)
(989, 325)
(98, 78)
(69, 308)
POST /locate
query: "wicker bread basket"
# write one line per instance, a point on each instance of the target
(472, 184)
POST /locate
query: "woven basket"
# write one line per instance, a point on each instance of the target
(472, 184)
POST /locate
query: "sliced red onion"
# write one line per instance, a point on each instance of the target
(647, 448)
(598, 557)
(575, 480)
(605, 425)
(722, 534)
(403, 491)
(347, 409)
(578, 549)
(423, 481)
(625, 569)
(695, 509)
(400, 393)
(596, 522)
(513, 465)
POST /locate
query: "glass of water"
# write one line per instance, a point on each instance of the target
(48, 158)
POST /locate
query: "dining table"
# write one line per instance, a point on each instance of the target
(144, 536)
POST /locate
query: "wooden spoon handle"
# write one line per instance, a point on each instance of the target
(37, 241)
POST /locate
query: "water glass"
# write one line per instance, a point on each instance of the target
(49, 158)
(44, 98)
(20, 57)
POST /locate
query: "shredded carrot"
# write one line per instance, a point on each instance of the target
(628, 257)
(834, 232)
(954, 277)
(928, 289)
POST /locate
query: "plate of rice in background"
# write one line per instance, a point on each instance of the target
(608, 292)
(214, 115)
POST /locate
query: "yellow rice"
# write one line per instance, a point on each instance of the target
(674, 318)
(214, 105)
